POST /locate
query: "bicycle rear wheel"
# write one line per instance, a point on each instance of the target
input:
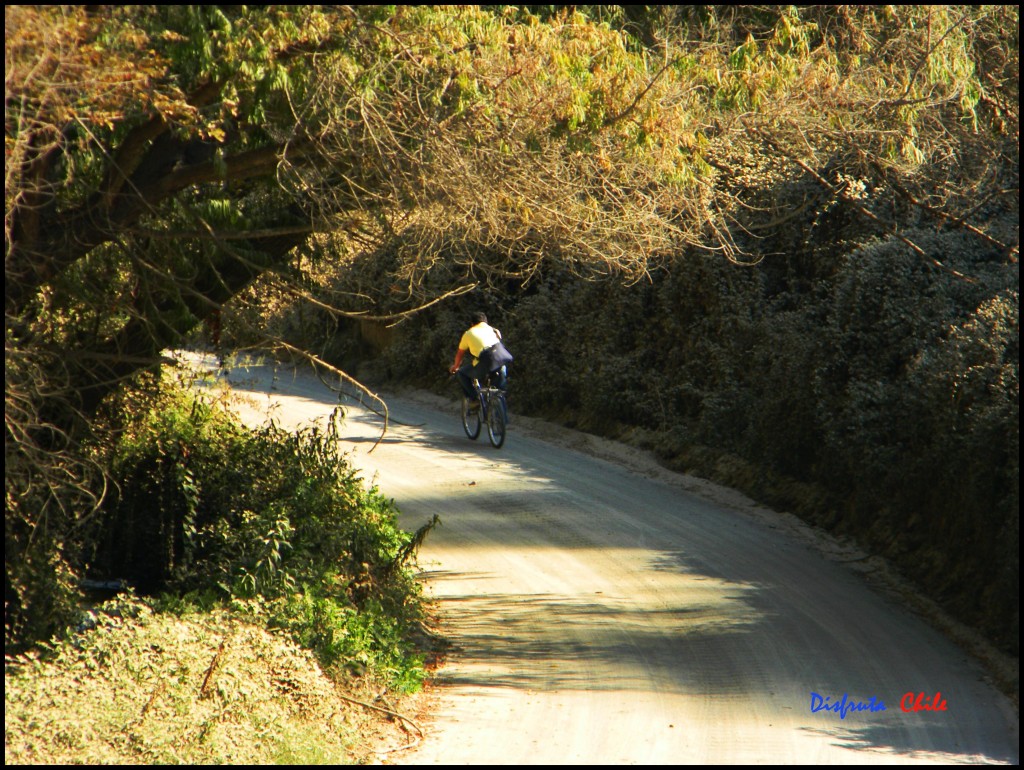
(496, 421)
(471, 419)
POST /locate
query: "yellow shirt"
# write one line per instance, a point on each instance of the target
(478, 338)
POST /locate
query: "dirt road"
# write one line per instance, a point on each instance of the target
(603, 611)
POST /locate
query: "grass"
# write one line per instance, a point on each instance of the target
(143, 687)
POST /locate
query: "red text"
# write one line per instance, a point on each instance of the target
(911, 702)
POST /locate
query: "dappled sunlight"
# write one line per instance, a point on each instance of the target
(617, 616)
(595, 642)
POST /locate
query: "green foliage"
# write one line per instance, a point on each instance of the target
(276, 522)
(371, 638)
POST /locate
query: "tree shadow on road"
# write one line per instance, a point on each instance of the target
(703, 640)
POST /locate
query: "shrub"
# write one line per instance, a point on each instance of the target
(209, 511)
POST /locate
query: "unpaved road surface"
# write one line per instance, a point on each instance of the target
(603, 611)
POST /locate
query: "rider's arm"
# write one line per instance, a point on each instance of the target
(458, 359)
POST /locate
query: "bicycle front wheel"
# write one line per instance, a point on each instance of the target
(496, 422)
(470, 418)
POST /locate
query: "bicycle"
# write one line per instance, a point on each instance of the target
(492, 410)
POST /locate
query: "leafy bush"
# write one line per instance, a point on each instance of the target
(918, 405)
(209, 511)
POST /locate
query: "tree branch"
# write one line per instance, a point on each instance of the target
(75, 234)
(632, 107)
(862, 209)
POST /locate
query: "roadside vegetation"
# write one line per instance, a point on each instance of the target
(275, 591)
(149, 687)
(777, 244)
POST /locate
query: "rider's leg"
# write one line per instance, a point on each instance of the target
(499, 378)
(465, 378)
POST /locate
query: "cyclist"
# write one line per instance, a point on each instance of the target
(489, 356)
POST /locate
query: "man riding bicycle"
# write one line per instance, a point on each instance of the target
(489, 357)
